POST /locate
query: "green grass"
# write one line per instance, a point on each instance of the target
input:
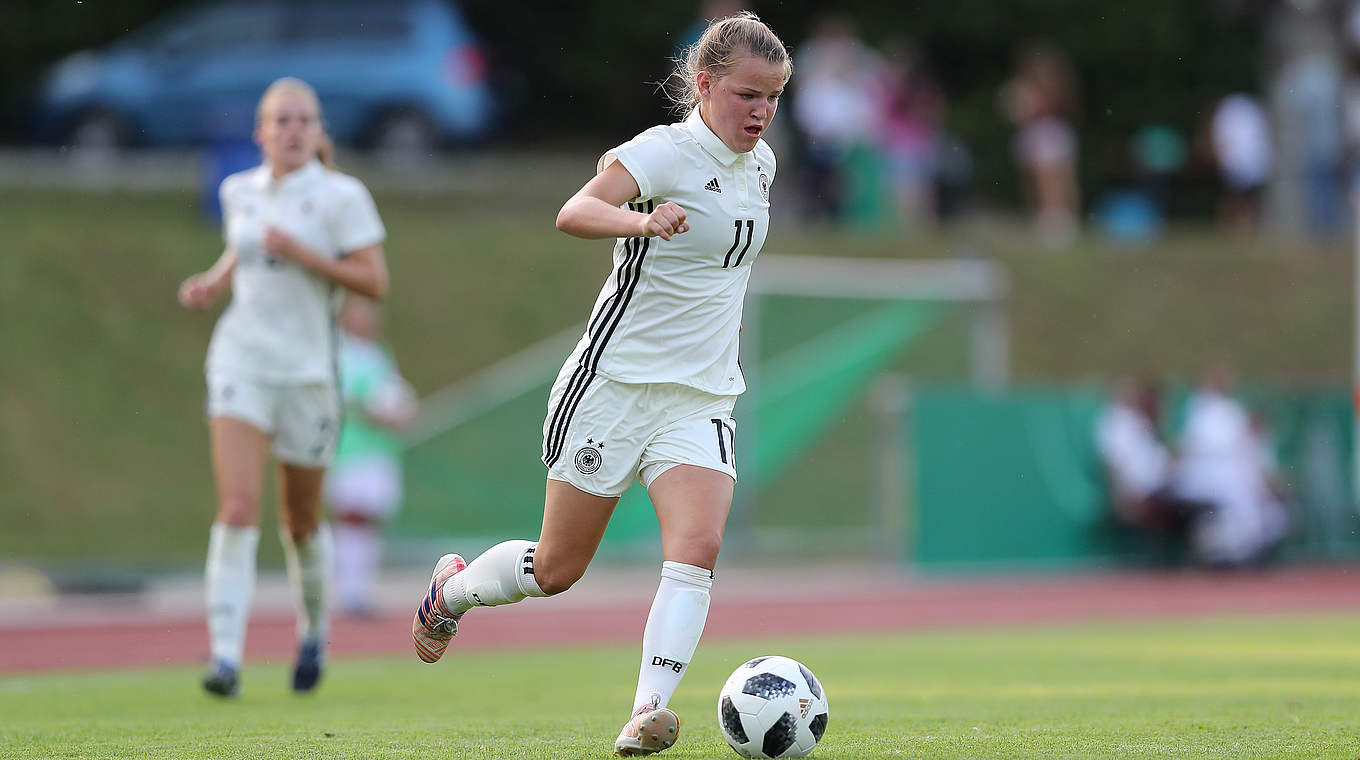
(103, 450)
(1273, 687)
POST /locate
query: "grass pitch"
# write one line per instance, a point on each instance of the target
(1277, 687)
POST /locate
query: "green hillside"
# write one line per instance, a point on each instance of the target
(103, 452)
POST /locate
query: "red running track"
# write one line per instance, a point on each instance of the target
(898, 604)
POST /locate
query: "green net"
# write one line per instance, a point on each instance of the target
(810, 360)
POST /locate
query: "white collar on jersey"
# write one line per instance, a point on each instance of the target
(710, 142)
(265, 175)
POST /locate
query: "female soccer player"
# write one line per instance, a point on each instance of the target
(296, 231)
(364, 485)
(649, 391)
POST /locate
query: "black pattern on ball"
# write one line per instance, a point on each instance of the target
(768, 686)
(811, 681)
(731, 720)
(780, 736)
(755, 662)
(818, 726)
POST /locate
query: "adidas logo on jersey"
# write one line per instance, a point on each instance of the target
(713, 185)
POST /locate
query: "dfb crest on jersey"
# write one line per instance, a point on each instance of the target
(765, 186)
(588, 460)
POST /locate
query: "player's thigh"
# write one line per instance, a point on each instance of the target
(692, 503)
(239, 449)
(573, 525)
(300, 498)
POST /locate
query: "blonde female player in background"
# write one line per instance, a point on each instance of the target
(296, 232)
(649, 391)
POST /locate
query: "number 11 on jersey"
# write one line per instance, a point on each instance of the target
(750, 225)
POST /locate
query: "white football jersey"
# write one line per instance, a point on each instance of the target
(670, 311)
(280, 326)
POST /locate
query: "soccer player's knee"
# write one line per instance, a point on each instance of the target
(238, 509)
(555, 580)
(703, 548)
(299, 528)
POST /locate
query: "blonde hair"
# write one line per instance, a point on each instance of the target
(725, 42)
(325, 150)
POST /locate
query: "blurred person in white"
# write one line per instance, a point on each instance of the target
(297, 233)
(835, 109)
(1240, 134)
(1041, 100)
(1137, 463)
(1221, 464)
(364, 485)
(648, 393)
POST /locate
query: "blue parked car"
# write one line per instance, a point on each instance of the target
(395, 74)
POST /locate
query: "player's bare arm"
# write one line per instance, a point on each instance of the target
(363, 271)
(201, 291)
(595, 212)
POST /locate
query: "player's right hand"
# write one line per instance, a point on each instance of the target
(197, 292)
(668, 219)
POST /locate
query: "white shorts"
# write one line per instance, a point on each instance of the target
(600, 434)
(370, 487)
(303, 420)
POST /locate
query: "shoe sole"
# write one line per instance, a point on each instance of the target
(658, 731)
(426, 651)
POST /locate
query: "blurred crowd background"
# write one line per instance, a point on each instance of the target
(1166, 185)
(898, 114)
(1232, 109)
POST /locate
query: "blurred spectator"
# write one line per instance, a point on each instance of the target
(1159, 152)
(954, 172)
(1041, 100)
(1136, 214)
(1240, 136)
(364, 486)
(911, 109)
(1224, 465)
(1138, 465)
(1350, 98)
(1308, 99)
(834, 109)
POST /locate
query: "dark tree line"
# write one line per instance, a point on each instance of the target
(566, 68)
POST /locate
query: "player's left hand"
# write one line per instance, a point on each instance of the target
(280, 243)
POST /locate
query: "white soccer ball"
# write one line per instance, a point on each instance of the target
(772, 707)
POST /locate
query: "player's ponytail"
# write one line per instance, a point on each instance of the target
(325, 150)
(723, 43)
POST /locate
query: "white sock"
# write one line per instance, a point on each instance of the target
(674, 626)
(308, 561)
(358, 552)
(503, 574)
(230, 580)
